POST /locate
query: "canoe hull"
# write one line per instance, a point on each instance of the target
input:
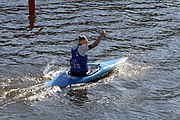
(65, 79)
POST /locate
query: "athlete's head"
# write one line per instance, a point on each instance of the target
(82, 39)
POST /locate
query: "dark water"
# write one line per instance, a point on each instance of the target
(146, 87)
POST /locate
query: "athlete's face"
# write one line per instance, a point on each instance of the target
(84, 41)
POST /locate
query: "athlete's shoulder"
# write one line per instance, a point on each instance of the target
(83, 47)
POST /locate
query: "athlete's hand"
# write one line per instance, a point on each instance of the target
(103, 33)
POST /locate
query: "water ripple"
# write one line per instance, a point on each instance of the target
(145, 31)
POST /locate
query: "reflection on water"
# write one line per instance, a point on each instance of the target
(78, 96)
(31, 21)
(33, 51)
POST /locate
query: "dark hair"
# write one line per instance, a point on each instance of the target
(81, 38)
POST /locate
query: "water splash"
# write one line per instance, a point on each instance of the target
(30, 89)
(49, 73)
(38, 92)
(29, 94)
(129, 70)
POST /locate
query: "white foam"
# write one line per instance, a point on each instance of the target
(49, 73)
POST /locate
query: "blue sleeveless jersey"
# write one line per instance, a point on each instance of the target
(78, 62)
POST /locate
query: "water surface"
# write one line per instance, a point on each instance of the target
(147, 86)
